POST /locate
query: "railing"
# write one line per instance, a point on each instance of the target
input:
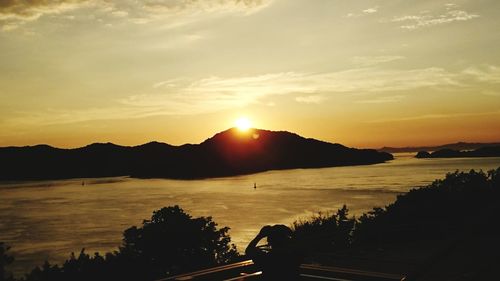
(210, 271)
(246, 270)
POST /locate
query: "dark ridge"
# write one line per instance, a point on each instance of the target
(227, 153)
(490, 151)
(454, 146)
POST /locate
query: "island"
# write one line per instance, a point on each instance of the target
(455, 146)
(228, 153)
(489, 151)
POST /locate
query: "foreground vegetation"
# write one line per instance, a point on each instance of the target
(447, 230)
(461, 201)
(170, 242)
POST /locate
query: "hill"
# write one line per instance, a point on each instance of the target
(228, 153)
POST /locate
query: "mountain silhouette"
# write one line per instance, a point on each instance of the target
(228, 153)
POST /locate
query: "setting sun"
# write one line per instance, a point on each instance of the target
(243, 124)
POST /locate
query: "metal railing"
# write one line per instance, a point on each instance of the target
(246, 270)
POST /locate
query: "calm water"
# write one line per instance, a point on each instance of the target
(49, 219)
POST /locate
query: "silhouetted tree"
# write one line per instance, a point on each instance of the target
(462, 202)
(170, 242)
(328, 232)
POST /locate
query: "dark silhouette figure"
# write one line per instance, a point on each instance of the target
(279, 260)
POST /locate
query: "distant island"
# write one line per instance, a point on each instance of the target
(453, 146)
(489, 151)
(228, 153)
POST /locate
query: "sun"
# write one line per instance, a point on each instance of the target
(243, 124)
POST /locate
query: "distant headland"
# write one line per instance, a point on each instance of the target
(488, 151)
(453, 146)
(228, 153)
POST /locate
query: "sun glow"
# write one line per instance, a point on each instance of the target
(243, 124)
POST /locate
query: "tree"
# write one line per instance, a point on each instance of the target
(172, 241)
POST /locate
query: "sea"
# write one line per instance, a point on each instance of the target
(47, 220)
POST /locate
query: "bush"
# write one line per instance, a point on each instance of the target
(326, 232)
(462, 202)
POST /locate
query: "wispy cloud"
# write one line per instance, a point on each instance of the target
(32, 10)
(313, 99)
(14, 13)
(370, 10)
(181, 6)
(425, 19)
(374, 60)
(385, 99)
(364, 12)
(484, 73)
(435, 116)
(184, 96)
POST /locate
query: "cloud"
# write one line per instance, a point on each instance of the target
(370, 10)
(14, 13)
(387, 99)
(32, 10)
(314, 99)
(374, 60)
(435, 116)
(364, 12)
(185, 96)
(450, 6)
(484, 73)
(176, 6)
(424, 19)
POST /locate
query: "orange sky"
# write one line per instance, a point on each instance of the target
(366, 73)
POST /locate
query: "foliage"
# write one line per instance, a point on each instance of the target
(462, 202)
(170, 242)
(325, 231)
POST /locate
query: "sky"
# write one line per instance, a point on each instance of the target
(364, 73)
